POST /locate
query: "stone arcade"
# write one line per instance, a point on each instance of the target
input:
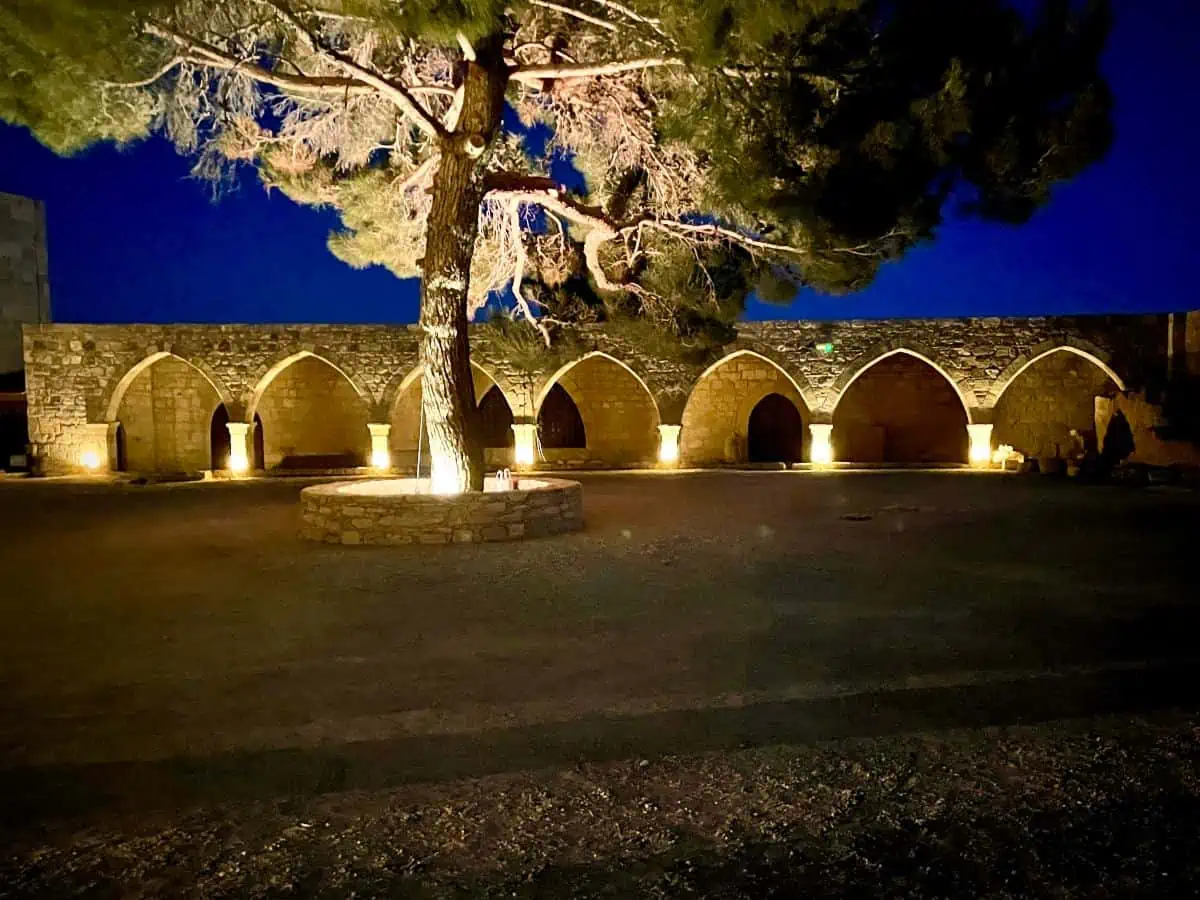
(175, 398)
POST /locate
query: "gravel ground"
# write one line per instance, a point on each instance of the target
(729, 685)
(1102, 808)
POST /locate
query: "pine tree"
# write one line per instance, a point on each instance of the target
(724, 143)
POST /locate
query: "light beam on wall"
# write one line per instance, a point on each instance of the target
(821, 452)
(381, 455)
(524, 445)
(980, 453)
(239, 461)
(90, 460)
(668, 444)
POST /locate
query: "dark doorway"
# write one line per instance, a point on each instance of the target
(218, 436)
(776, 431)
(260, 454)
(221, 444)
(560, 426)
(119, 440)
(495, 419)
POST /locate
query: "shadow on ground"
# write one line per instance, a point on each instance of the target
(48, 792)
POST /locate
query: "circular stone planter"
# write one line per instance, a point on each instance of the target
(403, 511)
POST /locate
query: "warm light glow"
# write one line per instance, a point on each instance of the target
(525, 445)
(381, 454)
(90, 459)
(821, 453)
(980, 453)
(443, 476)
(668, 444)
(239, 461)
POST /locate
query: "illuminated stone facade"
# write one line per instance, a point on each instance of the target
(144, 396)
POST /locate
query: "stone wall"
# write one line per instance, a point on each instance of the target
(373, 512)
(24, 282)
(77, 376)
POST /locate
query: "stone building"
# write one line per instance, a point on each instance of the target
(24, 284)
(151, 398)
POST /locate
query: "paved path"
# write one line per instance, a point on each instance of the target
(170, 645)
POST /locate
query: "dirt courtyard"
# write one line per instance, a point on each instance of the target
(175, 646)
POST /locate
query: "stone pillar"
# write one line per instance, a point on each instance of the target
(821, 448)
(525, 445)
(668, 445)
(980, 453)
(239, 458)
(98, 452)
(381, 454)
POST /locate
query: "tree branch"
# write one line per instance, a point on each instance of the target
(602, 228)
(199, 53)
(177, 61)
(527, 74)
(519, 273)
(576, 14)
(397, 93)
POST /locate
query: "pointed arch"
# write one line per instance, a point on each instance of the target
(563, 370)
(872, 358)
(1090, 352)
(161, 408)
(122, 385)
(798, 382)
(716, 418)
(900, 407)
(273, 371)
(619, 412)
(403, 380)
(313, 414)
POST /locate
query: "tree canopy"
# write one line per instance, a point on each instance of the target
(819, 137)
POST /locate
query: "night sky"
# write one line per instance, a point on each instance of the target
(133, 239)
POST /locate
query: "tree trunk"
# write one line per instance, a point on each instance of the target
(448, 391)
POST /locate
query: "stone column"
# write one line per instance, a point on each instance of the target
(239, 458)
(525, 445)
(98, 451)
(980, 436)
(668, 445)
(821, 448)
(381, 454)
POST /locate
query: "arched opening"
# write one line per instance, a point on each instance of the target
(716, 419)
(560, 426)
(164, 415)
(221, 442)
(495, 420)
(1048, 399)
(776, 431)
(313, 418)
(900, 410)
(597, 412)
(408, 438)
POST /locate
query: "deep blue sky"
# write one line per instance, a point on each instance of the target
(133, 238)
